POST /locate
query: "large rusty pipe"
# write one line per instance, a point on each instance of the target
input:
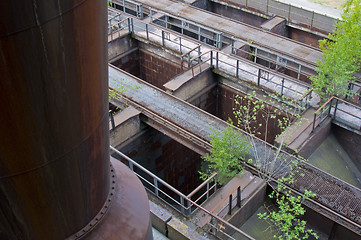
(54, 144)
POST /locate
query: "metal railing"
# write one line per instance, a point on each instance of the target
(234, 200)
(130, 7)
(284, 87)
(272, 60)
(184, 205)
(240, 47)
(294, 14)
(201, 33)
(339, 110)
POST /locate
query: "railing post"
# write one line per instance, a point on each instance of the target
(299, 71)
(289, 12)
(329, 108)
(163, 38)
(123, 5)
(217, 60)
(237, 69)
(220, 40)
(129, 26)
(131, 166)
(255, 54)
(141, 11)
(147, 31)
(156, 186)
(313, 16)
(188, 206)
(230, 205)
(232, 46)
(182, 204)
(211, 58)
(151, 15)
(207, 196)
(314, 122)
(199, 53)
(199, 33)
(239, 196)
(283, 84)
(334, 113)
(132, 22)
(112, 119)
(180, 45)
(259, 77)
(215, 183)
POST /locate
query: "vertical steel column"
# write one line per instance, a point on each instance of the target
(54, 132)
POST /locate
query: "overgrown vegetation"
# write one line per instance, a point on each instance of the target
(275, 167)
(228, 147)
(341, 54)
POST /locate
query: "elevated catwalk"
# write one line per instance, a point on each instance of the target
(335, 198)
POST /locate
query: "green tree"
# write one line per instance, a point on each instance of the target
(228, 147)
(341, 54)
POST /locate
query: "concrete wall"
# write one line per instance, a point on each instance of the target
(315, 140)
(121, 46)
(156, 69)
(351, 142)
(249, 208)
(303, 36)
(225, 107)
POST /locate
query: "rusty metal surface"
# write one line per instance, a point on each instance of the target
(183, 118)
(129, 216)
(54, 169)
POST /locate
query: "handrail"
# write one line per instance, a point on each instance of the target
(148, 172)
(230, 56)
(180, 194)
(224, 199)
(187, 53)
(202, 185)
(328, 105)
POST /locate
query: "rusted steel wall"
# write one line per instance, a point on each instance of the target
(53, 103)
(168, 159)
(155, 69)
(226, 104)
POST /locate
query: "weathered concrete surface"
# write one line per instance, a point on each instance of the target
(127, 124)
(332, 158)
(276, 25)
(180, 231)
(159, 217)
(191, 82)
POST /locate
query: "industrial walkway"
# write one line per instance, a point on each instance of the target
(336, 199)
(277, 43)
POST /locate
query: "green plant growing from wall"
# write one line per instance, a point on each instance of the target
(341, 54)
(228, 147)
(119, 86)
